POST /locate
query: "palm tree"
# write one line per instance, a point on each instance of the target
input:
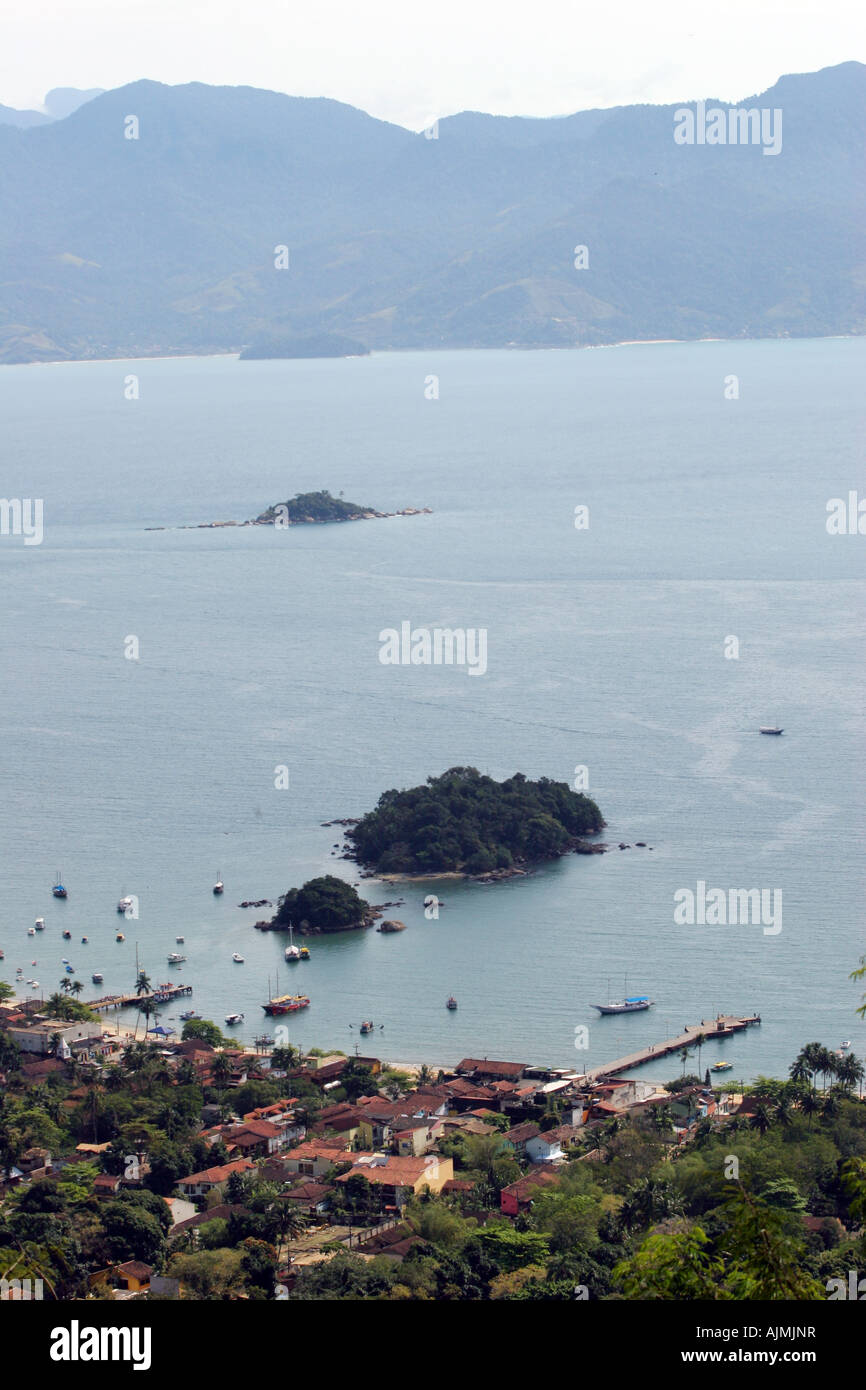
(799, 1069)
(830, 1106)
(810, 1105)
(66, 984)
(142, 984)
(829, 1064)
(761, 1119)
(221, 1070)
(811, 1055)
(425, 1075)
(76, 987)
(700, 1039)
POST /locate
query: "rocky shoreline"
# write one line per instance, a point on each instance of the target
(299, 521)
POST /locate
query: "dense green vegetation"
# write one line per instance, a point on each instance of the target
(468, 822)
(322, 905)
(56, 1229)
(635, 1214)
(647, 1219)
(314, 506)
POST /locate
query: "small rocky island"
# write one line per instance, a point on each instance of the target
(304, 509)
(325, 904)
(315, 508)
(467, 824)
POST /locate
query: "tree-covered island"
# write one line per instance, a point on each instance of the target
(309, 507)
(325, 904)
(465, 822)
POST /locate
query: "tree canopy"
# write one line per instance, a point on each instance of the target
(322, 904)
(467, 822)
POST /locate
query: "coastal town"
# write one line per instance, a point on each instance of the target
(288, 1166)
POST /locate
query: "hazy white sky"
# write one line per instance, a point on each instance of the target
(410, 62)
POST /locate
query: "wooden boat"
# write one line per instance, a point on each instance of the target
(451, 1002)
(367, 1026)
(234, 1018)
(721, 1066)
(286, 1004)
(770, 729)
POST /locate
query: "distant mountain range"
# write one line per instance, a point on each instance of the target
(59, 103)
(462, 237)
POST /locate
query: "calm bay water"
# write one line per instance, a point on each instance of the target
(606, 649)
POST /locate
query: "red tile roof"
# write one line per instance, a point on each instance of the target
(218, 1174)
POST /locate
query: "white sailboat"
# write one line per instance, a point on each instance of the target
(629, 1004)
(292, 951)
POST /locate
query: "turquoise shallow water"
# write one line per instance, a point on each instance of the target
(260, 648)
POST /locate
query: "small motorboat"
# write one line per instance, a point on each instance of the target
(234, 1018)
(39, 924)
(35, 984)
(237, 958)
(179, 940)
(31, 931)
(125, 905)
(770, 729)
(70, 969)
(843, 1047)
(367, 1026)
(2, 954)
(219, 886)
(97, 977)
(175, 958)
(84, 940)
(305, 953)
(722, 1066)
(67, 935)
(187, 1015)
(120, 936)
(64, 960)
(451, 1002)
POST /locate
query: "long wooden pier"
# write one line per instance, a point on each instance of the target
(161, 995)
(723, 1026)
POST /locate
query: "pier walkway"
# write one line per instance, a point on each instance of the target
(163, 994)
(721, 1027)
